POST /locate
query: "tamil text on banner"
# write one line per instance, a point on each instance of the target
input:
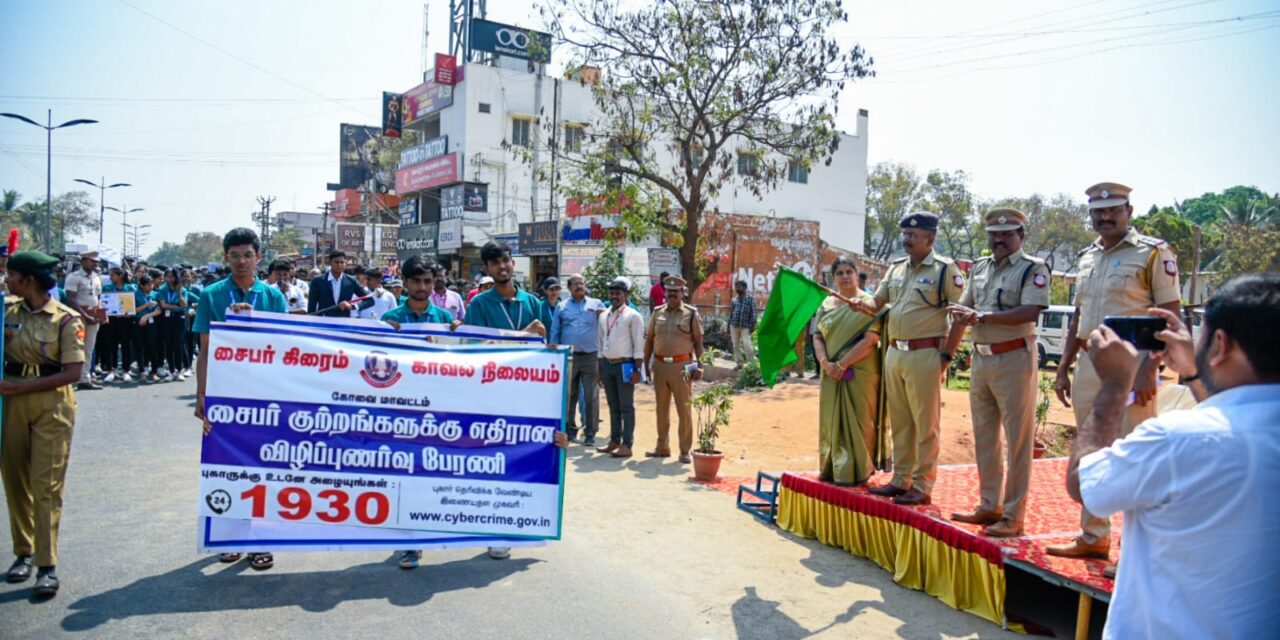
(380, 437)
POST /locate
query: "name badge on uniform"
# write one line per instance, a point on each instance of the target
(926, 280)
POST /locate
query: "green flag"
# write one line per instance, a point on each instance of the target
(793, 301)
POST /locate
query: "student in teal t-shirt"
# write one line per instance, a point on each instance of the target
(241, 291)
(418, 278)
(504, 306)
(115, 341)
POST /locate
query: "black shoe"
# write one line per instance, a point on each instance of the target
(87, 386)
(19, 571)
(46, 582)
(589, 441)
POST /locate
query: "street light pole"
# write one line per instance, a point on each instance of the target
(102, 192)
(124, 224)
(48, 176)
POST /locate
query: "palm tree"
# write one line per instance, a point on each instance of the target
(1252, 213)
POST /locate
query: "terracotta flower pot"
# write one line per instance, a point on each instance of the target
(706, 465)
(1038, 451)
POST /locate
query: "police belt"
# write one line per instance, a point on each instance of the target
(921, 343)
(671, 359)
(18, 370)
(1000, 347)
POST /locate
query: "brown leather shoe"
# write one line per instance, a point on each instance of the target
(658, 453)
(978, 516)
(1110, 570)
(888, 490)
(609, 448)
(1006, 528)
(1079, 549)
(913, 497)
(622, 452)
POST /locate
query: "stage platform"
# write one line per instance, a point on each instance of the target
(954, 562)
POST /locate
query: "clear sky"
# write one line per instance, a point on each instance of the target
(235, 99)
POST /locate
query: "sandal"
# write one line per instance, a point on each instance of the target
(409, 559)
(229, 557)
(261, 561)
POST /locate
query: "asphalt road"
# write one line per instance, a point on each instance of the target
(646, 554)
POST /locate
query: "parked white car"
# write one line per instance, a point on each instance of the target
(1051, 333)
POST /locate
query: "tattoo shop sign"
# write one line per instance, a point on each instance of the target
(381, 436)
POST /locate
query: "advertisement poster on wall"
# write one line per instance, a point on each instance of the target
(539, 238)
(360, 147)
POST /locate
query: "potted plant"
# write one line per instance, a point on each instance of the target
(712, 407)
(1043, 435)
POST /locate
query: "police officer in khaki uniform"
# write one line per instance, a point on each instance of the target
(922, 340)
(673, 344)
(1123, 273)
(43, 356)
(1007, 291)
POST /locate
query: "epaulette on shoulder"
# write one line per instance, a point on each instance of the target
(1150, 241)
(1087, 249)
(1030, 258)
(902, 259)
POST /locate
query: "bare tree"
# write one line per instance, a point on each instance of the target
(736, 93)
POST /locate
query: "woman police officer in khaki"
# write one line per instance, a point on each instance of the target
(43, 357)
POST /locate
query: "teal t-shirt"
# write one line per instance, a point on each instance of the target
(489, 309)
(143, 301)
(216, 297)
(404, 315)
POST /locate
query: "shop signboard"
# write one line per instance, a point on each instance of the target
(512, 240)
(387, 236)
(538, 238)
(446, 69)
(662, 260)
(450, 236)
(417, 240)
(350, 237)
(432, 173)
(509, 40)
(324, 243)
(576, 259)
(426, 99)
(420, 153)
(409, 212)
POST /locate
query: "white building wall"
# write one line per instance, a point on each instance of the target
(835, 195)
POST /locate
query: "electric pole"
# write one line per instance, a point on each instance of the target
(264, 218)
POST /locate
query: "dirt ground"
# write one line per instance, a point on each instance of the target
(777, 429)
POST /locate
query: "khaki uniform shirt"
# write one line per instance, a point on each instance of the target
(918, 310)
(1018, 280)
(52, 334)
(84, 290)
(1139, 272)
(673, 332)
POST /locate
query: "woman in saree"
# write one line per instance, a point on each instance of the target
(846, 345)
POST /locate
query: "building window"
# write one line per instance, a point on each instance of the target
(696, 156)
(484, 107)
(521, 131)
(748, 164)
(573, 136)
(797, 172)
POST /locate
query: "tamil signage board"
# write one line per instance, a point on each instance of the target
(432, 173)
(428, 150)
(358, 165)
(391, 114)
(509, 40)
(539, 238)
(663, 260)
(409, 212)
(426, 99)
(417, 240)
(350, 237)
(446, 69)
(450, 236)
(512, 240)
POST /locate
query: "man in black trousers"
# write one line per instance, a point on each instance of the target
(336, 288)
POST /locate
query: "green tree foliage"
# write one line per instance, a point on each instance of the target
(893, 191)
(1057, 227)
(703, 81)
(1169, 225)
(168, 253)
(202, 247)
(74, 215)
(11, 218)
(287, 240)
(603, 271)
(1207, 209)
(960, 232)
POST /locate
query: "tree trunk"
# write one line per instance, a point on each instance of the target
(689, 250)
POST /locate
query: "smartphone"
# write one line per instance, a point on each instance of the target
(1140, 331)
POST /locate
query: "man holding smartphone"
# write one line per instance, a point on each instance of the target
(1122, 273)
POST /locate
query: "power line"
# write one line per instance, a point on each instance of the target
(236, 57)
(13, 155)
(228, 101)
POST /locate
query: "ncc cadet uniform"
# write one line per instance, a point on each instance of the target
(674, 333)
(37, 426)
(1002, 389)
(1138, 273)
(917, 328)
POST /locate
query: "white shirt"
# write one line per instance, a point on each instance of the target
(383, 301)
(335, 283)
(293, 298)
(1199, 491)
(621, 334)
(84, 289)
(451, 301)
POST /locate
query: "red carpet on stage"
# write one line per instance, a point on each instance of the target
(957, 563)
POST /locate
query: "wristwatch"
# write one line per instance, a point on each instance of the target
(982, 317)
(946, 357)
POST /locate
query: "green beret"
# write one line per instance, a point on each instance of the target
(31, 262)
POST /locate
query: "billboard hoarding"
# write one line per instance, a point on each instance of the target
(446, 69)
(349, 237)
(539, 238)
(509, 40)
(409, 212)
(432, 173)
(426, 99)
(360, 147)
(391, 114)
